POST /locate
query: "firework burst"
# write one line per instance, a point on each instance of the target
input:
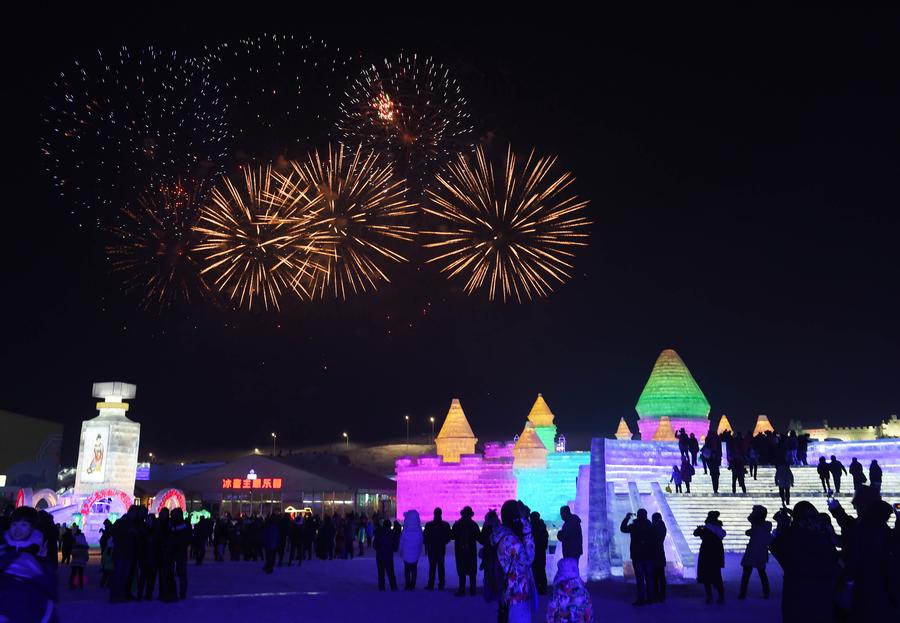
(513, 231)
(118, 124)
(410, 110)
(155, 246)
(252, 241)
(352, 222)
(280, 91)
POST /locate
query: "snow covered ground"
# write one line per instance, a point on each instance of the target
(346, 590)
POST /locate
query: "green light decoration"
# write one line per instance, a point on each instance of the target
(113, 517)
(196, 515)
(78, 520)
(672, 391)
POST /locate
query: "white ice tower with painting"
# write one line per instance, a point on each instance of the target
(108, 450)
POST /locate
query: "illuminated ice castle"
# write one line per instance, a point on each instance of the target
(618, 475)
(528, 468)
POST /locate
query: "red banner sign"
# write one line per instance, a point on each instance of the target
(254, 483)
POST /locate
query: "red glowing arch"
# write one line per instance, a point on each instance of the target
(165, 496)
(116, 494)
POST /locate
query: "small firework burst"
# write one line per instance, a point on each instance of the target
(513, 230)
(250, 240)
(410, 110)
(354, 218)
(118, 124)
(155, 247)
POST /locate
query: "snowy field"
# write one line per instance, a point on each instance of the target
(347, 590)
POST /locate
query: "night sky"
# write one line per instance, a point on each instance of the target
(743, 181)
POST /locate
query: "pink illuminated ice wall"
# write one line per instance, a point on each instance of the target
(426, 482)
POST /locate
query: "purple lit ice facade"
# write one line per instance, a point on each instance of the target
(485, 482)
(698, 426)
(885, 451)
(427, 482)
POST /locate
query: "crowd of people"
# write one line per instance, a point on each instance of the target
(745, 453)
(854, 576)
(142, 554)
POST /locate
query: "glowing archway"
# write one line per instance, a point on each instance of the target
(46, 495)
(168, 498)
(117, 496)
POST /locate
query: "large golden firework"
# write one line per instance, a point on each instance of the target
(514, 231)
(253, 240)
(155, 246)
(352, 222)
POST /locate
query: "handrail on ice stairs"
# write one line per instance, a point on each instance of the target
(687, 559)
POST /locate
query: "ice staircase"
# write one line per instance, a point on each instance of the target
(689, 510)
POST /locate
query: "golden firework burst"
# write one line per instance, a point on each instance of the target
(253, 239)
(514, 230)
(353, 218)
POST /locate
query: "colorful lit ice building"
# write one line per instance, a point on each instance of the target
(619, 475)
(534, 467)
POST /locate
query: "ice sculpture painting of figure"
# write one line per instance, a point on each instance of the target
(97, 461)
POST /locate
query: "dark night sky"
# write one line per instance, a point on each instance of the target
(743, 181)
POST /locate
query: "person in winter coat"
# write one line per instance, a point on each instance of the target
(465, 545)
(80, 551)
(784, 480)
(875, 476)
(857, 473)
(272, 541)
(435, 539)
(687, 474)
(684, 445)
(871, 554)
(411, 542)
(756, 554)
(489, 564)
(738, 466)
(515, 553)
(837, 469)
(27, 585)
(149, 563)
(676, 478)
(570, 601)
(711, 559)
(642, 554)
(694, 447)
(384, 554)
(658, 574)
(541, 543)
(824, 474)
(569, 535)
(803, 547)
(180, 533)
(68, 540)
(715, 466)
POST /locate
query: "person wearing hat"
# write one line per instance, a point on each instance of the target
(711, 559)
(27, 586)
(437, 535)
(465, 545)
(756, 555)
(570, 600)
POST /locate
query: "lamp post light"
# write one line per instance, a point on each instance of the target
(347, 439)
(432, 429)
(274, 438)
(406, 417)
(151, 457)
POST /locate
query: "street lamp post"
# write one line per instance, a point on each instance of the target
(347, 439)
(406, 417)
(274, 437)
(432, 428)
(151, 457)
